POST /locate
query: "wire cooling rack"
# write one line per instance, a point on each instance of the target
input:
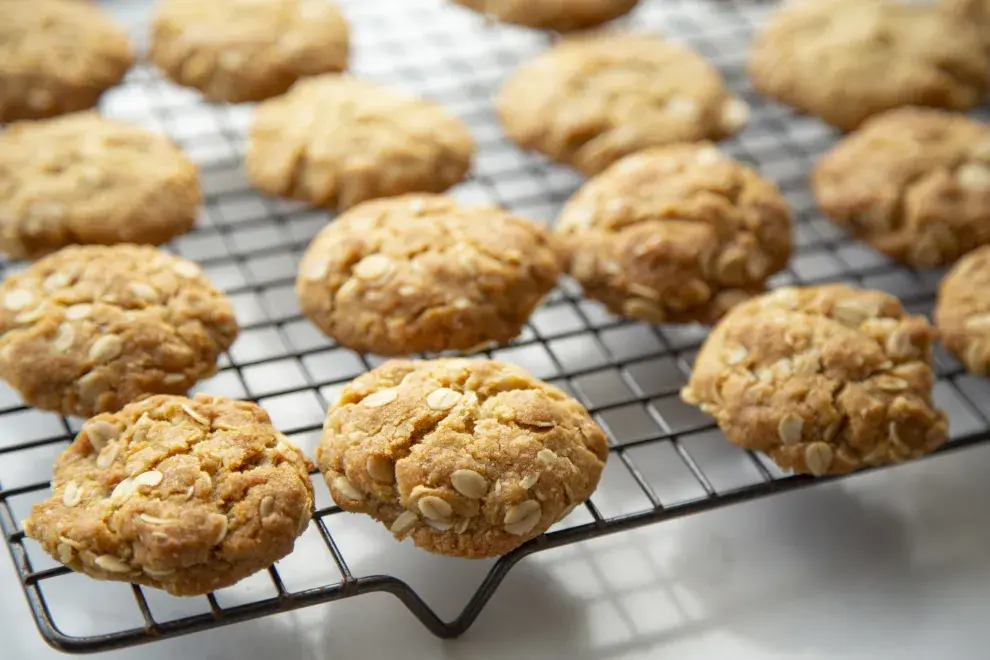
(667, 459)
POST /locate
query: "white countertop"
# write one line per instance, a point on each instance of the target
(894, 564)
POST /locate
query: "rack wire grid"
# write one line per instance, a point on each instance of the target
(667, 459)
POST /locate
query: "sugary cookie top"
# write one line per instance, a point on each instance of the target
(963, 311)
(57, 56)
(177, 493)
(422, 273)
(91, 328)
(591, 100)
(85, 179)
(914, 183)
(336, 141)
(469, 457)
(823, 379)
(676, 233)
(846, 60)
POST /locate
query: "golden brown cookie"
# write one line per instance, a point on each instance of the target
(824, 380)
(186, 495)
(593, 99)
(471, 458)
(84, 179)
(913, 183)
(675, 234)
(336, 141)
(558, 15)
(89, 329)
(847, 60)
(963, 311)
(57, 56)
(419, 273)
(247, 50)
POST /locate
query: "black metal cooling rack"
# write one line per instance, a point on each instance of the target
(667, 460)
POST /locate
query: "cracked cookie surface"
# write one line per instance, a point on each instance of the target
(552, 14)
(186, 495)
(824, 380)
(247, 50)
(962, 314)
(675, 234)
(89, 329)
(846, 60)
(334, 141)
(913, 183)
(84, 179)
(593, 99)
(420, 273)
(57, 56)
(470, 458)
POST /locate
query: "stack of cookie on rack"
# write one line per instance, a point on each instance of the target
(468, 457)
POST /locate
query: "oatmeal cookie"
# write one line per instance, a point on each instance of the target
(678, 233)
(185, 495)
(963, 311)
(591, 100)
(847, 60)
(57, 56)
(247, 50)
(84, 179)
(824, 380)
(913, 183)
(419, 273)
(557, 15)
(470, 458)
(89, 329)
(335, 141)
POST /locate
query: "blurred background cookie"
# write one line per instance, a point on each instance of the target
(57, 56)
(246, 50)
(83, 179)
(913, 183)
(591, 100)
(487, 457)
(420, 273)
(675, 234)
(558, 15)
(824, 380)
(186, 495)
(963, 311)
(89, 329)
(335, 141)
(846, 60)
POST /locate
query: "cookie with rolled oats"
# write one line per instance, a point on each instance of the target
(186, 495)
(91, 328)
(962, 314)
(57, 56)
(335, 141)
(675, 234)
(557, 15)
(84, 179)
(848, 60)
(824, 380)
(593, 99)
(422, 274)
(247, 50)
(470, 458)
(913, 183)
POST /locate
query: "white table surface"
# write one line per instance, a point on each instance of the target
(894, 564)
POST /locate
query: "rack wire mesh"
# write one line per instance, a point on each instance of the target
(667, 459)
